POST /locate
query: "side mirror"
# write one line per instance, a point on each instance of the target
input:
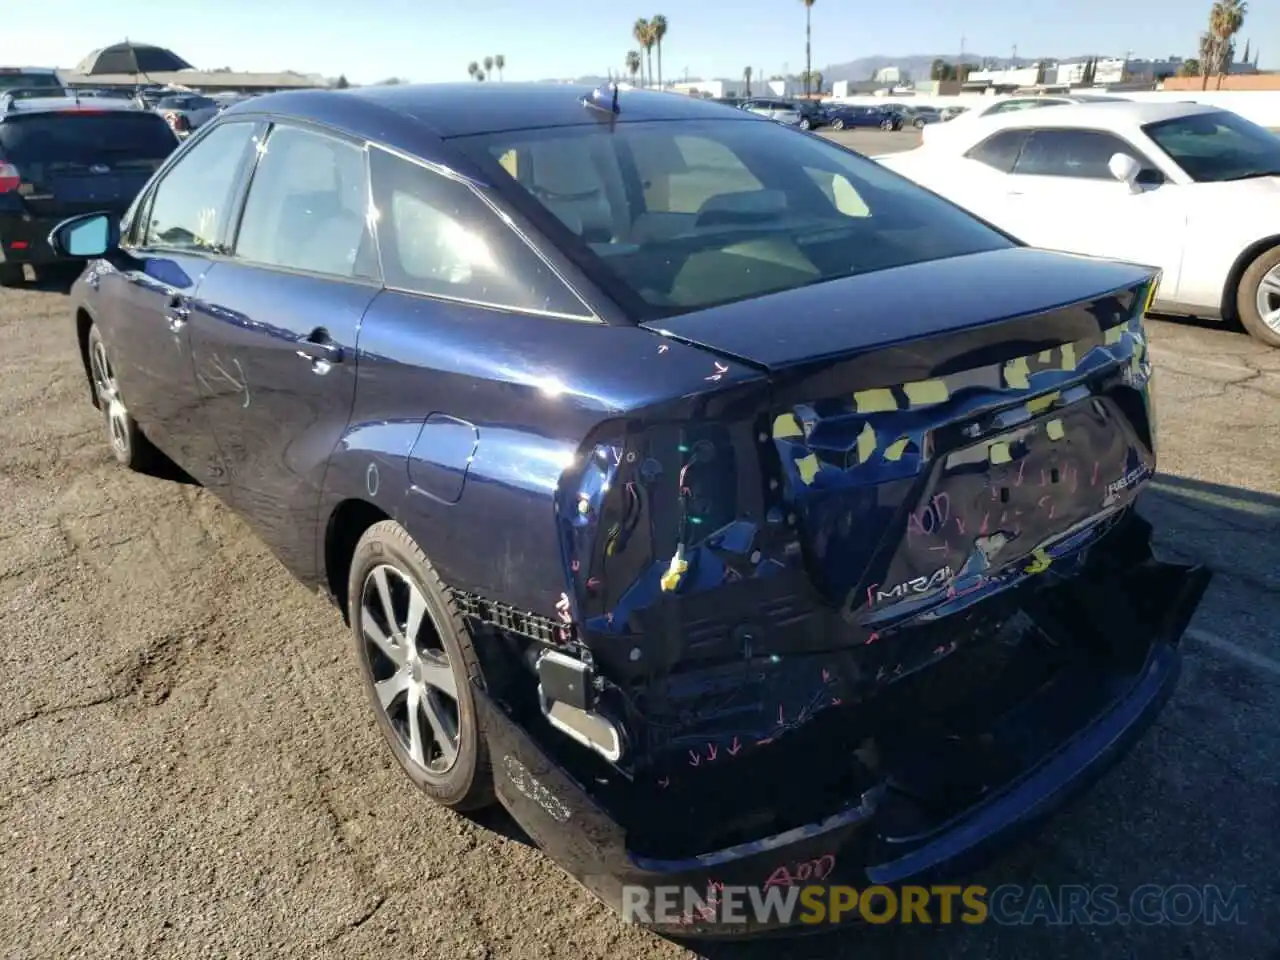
(86, 236)
(1125, 169)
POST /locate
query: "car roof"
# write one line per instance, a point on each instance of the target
(1105, 115)
(462, 109)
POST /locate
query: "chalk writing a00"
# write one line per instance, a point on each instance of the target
(806, 871)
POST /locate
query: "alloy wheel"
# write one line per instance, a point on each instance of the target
(1268, 298)
(113, 408)
(411, 671)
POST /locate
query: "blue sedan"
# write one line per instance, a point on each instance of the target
(847, 116)
(709, 496)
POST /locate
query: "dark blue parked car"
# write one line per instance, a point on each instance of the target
(850, 116)
(59, 157)
(709, 495)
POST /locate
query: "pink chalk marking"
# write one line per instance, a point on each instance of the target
(871, 639)
(871, 595)
(711, 751)
(761, 743)
(574, 566)
(835, 701)
(663, 348)
(788, 875)
(1044, 477)
(826, 677)
(986, 518)
(664, 782)
(1022, 465)
(781, 721)
(1094, 481)
(941, 547)
(733, 748)
(694, 758)
(960, 524)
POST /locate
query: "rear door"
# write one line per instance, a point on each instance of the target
(274, 337)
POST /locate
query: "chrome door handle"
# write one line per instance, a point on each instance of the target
(177, 314)
(320, 350)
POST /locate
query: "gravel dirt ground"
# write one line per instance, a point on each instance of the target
(190, 769)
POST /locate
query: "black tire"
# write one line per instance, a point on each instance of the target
(1247, 298)
(467, 784)
(128, 444)
(887, 125)
(805, 123)
(11, 274)
(837, 124)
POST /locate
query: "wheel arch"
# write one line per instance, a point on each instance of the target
(84, 323)
(1231, 287)
(346, 525)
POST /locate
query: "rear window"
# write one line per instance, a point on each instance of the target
(74, 136)
(20, 78)
(680, 216)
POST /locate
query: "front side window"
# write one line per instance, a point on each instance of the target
(678, 216)
(437, 237)
(1080, 154)
(1213, 147)
(308, 207)
(189, 207)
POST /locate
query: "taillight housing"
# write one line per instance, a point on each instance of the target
(9, 178)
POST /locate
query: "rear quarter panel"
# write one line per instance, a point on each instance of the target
(466, 418)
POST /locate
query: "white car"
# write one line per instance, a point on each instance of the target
(1015, 104)
(187, 112)
(1191, 189)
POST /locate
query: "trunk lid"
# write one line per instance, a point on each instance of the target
(943, 429)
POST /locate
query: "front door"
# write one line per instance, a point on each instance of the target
(1062, 195)
(175, 238)
(274, 335)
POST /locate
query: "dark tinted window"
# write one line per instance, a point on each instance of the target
(85, 136)
(308, 206)
(22, 78)
(189, 207)
(1071, 153)
(1218, 146)
(437, 237)
(689, 214)
(1000, 150)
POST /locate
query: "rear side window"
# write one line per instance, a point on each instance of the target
(189, 206)
(85, 137)
(308, 207)
(679, 216)
(437, 237)
(999, 151)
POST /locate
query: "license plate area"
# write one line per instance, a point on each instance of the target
(990, 505)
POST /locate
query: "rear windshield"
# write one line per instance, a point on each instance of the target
(676, 216)
(18, 78)
(85, 137)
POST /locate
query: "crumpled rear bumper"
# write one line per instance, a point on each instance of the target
(851, 846)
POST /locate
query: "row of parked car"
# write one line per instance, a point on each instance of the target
(812, 114)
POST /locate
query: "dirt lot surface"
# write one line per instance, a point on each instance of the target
(189, 768)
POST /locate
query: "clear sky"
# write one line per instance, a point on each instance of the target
(431, 40)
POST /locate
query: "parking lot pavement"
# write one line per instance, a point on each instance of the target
(874, 142)
(189, 768)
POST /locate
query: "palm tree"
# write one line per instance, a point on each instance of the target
(1225, 20)
(746, 78)
(500, 62)
(658, 26)
(488, 65)
(643, 33)
(472, 69)
(634, 64)
(808, 65)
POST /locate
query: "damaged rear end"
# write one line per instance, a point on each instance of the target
(864, 622)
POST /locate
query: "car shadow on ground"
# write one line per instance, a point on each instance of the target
(55, 279)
